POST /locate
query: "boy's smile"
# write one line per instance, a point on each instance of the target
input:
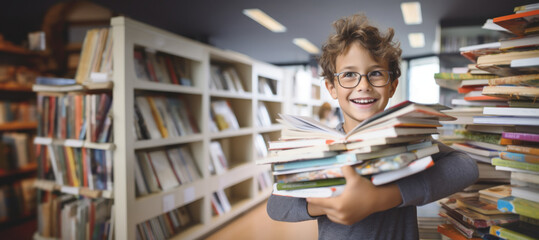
(364, 100)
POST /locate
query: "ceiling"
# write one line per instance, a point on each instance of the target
(222, 24)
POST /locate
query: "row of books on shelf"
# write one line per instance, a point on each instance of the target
(95, 61)
(17, 111)
(500, 128)
(219, 202)
(261, 146)
(224, 119)
(154, 66)
(75, 167)
(265, 181)
(225, 78)
(166, 225)
(396, 143)
(161, 170)
(163, 117)
(16, 150)
(267, 86)
(75, 116)
(68, 217)
(17, 199)
(222, 116)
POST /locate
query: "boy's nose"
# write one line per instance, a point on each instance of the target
(364, 84)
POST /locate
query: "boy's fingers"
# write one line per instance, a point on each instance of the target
(349, 172)
(321, 202)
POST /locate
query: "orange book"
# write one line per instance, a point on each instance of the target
(451, 232)
(160, 122)
(78, 115)
(523, 149)
(518, 22)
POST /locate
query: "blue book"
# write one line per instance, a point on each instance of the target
(55, 81)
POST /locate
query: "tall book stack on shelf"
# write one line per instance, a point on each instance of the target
(18, 123)
(503, 131)
(189, 122)
(74, 149)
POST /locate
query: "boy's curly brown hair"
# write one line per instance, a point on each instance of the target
(356, 28)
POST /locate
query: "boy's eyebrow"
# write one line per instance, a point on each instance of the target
(354, 68)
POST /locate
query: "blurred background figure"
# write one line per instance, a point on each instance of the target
(328, 116)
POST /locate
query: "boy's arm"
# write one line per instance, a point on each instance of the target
(287, 209)
(452, 172)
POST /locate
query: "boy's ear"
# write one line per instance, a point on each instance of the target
(331, 89)
(393, 87)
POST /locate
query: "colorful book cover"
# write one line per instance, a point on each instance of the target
(521, 157)
(531, 137)
(311, 184)
(518, 231)
(523, 149)
(518, 22)
(519, 205)
(515, 164)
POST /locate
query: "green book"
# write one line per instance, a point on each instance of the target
(462, 76)
(479, 136)
(515, 164)
(519, 205)
(311, 184)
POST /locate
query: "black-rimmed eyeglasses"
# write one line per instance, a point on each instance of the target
(377, 78)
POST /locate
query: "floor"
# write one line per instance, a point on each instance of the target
(256, 225)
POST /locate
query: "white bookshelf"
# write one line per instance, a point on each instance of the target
(239, 181)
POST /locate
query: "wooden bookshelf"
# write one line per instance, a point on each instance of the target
(239, 181)
(18, 126)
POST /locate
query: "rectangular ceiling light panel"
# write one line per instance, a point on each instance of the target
(306, 45)
(264, 19)
(411, 12)
(417, 40)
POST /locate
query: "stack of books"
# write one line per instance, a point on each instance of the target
(503, 131)
(390, 145)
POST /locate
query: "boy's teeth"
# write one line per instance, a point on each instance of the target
(363, 101)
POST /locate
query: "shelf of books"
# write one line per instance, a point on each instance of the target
(18, 124)
(306, 91)
(186, 117)
(498, 119)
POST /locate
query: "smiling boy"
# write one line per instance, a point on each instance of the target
(361, 69)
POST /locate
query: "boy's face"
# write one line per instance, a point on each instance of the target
(364, 100)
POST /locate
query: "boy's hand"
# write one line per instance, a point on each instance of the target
(359, 199)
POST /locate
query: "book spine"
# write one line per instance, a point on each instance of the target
(519, 157)
(311, 184)
(519, 205)
(521, 136)
(522, 149)
(515, 164)
(508, 234)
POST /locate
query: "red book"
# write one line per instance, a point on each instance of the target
(518, 22)
(153, 169)
(468, 89)
(170, 69)
(450, 231)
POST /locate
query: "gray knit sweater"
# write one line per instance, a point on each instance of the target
(451, 172)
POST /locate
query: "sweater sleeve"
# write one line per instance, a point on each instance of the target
(452, 172)
(288, 209)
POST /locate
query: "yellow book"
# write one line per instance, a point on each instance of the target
(71, 163)
(157, 117)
